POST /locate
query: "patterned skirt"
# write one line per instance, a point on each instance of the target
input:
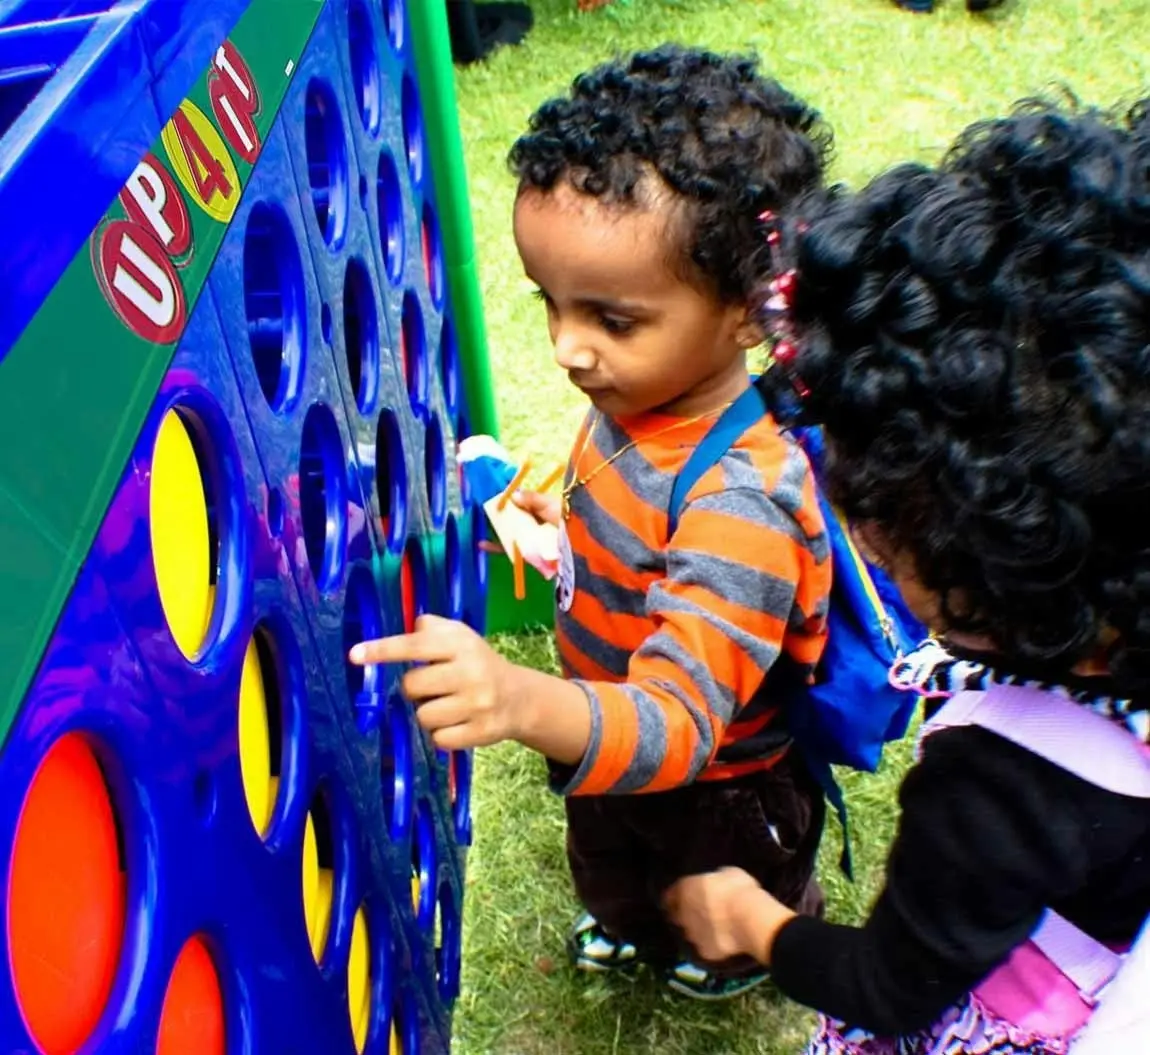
(968, 1028)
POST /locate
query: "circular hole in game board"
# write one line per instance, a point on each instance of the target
(362, 621)
(413, 340)
(391, 480)
(423, 867)
(449, 370)
(361, 334)
(364, 65)
(435, 471)
(413, 141)
(389, 201)
(413, 585)
(397, 768)
(359, 979)
(192, 1021)
(327, 169)
(393, 22)
(319, 874)
(274, 304)
(461, 764)
(262, 724)
(453, 569)
(66, 897)
(478, 553)
(185, 538)
(432, 255)
(323, 496)
(448, 944)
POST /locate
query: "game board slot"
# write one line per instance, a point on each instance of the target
(323, 496)
(274, 304)
(449, 371)
(397, 768)
(413, 585)
(319, 874)
(461, 795)
(327, 167)
(452, 569)
(362, 621)
(423, 867)
(361, 334)
(391, 480)
(413, 138)
(435, 471)
(192, 1021)
(184, 529)
(414, 349)
(364, 65)
(448, 944)
(66, 897)
(393, 22)
(262, 743)
(478, 553)
(432, 254)
(389, 202)
(359, 979)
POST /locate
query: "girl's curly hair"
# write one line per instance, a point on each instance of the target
(975, 339)
(728, 142)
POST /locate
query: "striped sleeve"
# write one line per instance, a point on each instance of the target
(733, 597)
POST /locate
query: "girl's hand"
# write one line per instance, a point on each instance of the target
(544, 508)
(461, 693)
(725, 914)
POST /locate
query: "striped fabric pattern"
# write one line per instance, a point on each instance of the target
(671, 640)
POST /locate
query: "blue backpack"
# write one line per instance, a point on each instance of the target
(851, 710)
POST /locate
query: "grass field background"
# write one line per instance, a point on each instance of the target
(894, 86)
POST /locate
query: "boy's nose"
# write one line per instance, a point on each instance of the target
(572, 353)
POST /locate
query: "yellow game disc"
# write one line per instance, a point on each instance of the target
(255, 740)
(359, 980)
(181, 544)
(317, 892)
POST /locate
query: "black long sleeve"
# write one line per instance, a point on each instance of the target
(990, 836)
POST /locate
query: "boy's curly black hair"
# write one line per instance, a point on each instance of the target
(976, 342)
(727, 141)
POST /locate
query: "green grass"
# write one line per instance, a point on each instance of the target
(894, 86)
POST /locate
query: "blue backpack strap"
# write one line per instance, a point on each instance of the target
(720, 438)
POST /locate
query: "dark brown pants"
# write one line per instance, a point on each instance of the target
(626, 850)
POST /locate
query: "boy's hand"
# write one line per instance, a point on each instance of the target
(725, 914)
(460, 693)
(544, 508)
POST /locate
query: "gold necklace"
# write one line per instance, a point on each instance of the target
(582, 481)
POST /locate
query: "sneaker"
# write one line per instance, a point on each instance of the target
(591, 948)
(697, 982)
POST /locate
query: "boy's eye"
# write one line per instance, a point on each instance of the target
(538, 294)
(616, 325)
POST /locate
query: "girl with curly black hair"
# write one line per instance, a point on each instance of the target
(975, 341)
(637, 217)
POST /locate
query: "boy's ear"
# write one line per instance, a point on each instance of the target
(748, 331)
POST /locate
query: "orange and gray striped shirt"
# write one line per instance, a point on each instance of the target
(672, 639)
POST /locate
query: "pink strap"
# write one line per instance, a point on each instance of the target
(1066, 733)
(1086, 962)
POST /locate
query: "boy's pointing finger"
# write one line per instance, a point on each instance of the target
(420, 647)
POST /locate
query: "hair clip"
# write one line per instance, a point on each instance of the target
(779, 324)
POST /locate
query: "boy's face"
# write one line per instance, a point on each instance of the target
(630, 332)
